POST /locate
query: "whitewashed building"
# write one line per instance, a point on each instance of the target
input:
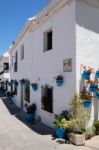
(64, 35)
(4, 67)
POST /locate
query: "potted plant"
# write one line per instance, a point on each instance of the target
(61, 124)
(31, 109)
(86, 71)
(93, 86)
(86, 98)
(15, 82)
(77, 136)
(59, 80)
(96, 124)
(97, 74)
(10, 96)
(97, 94)
(22, 81)
(34, 86)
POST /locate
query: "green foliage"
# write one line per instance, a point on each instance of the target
(79, 115)
(90, 130)
(96, 124)
(61, 122)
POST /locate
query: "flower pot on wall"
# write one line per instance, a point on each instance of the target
(16, 83)
(86, 75)
(34, 86)
(93, 87)
(97, 74)
(22, 81)
(59, 82)
(97, 95)
(87, 103)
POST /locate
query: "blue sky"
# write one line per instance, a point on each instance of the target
(13, 15)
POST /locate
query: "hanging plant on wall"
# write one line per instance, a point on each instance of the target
(93, 86)
(22, 81)
(86, 97)
(97, 94)
(86, 72)
(34, 86)
(15, 82)
(97, 74)
(59, 80)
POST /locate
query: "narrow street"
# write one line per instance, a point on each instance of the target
(16, 134)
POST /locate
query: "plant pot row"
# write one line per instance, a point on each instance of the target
(86, 75)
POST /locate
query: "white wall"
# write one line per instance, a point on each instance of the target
(87, 43)
(5, 75)
(47, 65)
(41, 67)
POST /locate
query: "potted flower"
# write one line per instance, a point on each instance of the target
(31, 109)
(59, 80)
(86, 97)
(97, 74)
(93, 86)
(34, 86)
(61, 124)
(86, 72)
(97, 94)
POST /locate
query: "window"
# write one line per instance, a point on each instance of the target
(27, 91)
(48, 40)
(6, 67)
(47, 98)
(22, 52)
(16, 61)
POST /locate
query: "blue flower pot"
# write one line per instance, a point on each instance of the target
(34, 87)
(30, 116)
(59, 82)
(86, 75)
(60, 133)
(87, 103)
(97, 95)
(93, 87)
(97, 74)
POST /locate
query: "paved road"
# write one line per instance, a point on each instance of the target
(15, 135)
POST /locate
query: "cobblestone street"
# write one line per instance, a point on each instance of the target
(15, 134)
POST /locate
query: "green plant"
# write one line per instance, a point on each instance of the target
(79, 115)
(61, 122)
(90, 132)
(96, 124)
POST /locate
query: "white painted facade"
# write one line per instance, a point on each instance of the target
(87, 44)
(75, 36)
(4, 59)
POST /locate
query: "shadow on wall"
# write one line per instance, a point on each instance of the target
(87, 16)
